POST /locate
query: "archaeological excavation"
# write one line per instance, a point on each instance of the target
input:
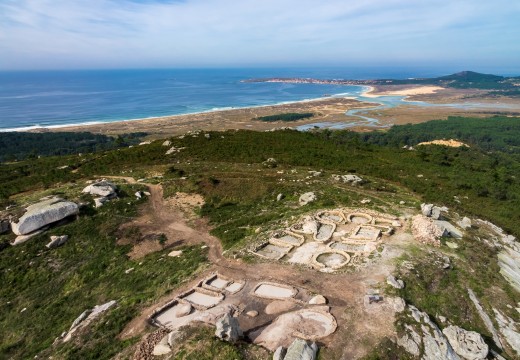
(269, 314)
(329, 240)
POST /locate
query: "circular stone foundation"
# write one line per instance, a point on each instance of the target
(360, 218)
(331, 259)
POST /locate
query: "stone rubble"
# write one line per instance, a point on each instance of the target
(425, 231)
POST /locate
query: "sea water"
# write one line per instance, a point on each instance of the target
(33, 99)
(56, 98)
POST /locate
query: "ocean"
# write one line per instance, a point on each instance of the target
(33, 99)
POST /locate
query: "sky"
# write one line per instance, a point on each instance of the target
(479, 35)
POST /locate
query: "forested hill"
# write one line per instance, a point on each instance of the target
(23, 145)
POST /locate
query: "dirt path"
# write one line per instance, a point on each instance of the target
(345, 292)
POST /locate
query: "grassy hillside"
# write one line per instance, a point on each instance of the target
(228, 169)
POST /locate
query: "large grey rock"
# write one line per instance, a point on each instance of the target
(301, 350)
(101, 188)
(468, 344)
(306, 198)
(433, 211)
(396, 283)
(448, 228)
(44, 213)
(57, 241)
(228, 329)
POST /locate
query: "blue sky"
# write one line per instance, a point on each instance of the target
(73, 34)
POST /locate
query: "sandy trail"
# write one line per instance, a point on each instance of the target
(344, 291)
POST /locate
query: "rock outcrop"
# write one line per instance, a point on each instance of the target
(509, 330)
(509, 262)
(86, 318)
(468, 344)
(485, 318)
(306, 198)
(349, 178)
(228, 329)
(42, 214)
(426, 333)
(57, 241)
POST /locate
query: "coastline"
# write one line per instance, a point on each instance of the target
(331, 109)
(336, 110)
(87, 124)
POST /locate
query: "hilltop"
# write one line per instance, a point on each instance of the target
(368, 244)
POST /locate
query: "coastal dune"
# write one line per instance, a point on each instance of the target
(419, 90)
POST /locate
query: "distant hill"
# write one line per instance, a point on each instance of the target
(500, 85)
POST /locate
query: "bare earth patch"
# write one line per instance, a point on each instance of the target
(450, 143)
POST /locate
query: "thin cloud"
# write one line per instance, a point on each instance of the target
(162, 33)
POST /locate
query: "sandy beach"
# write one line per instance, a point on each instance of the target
(409, 91)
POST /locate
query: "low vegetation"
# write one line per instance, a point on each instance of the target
(56, 286)
(20, 145)
(285, 117)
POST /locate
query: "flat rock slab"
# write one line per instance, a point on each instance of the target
(44, 213)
